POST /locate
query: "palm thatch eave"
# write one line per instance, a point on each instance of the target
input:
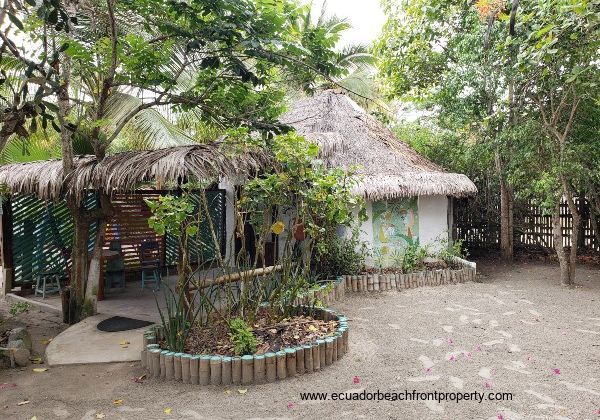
(123, 172)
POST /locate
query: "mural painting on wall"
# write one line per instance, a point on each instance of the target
(395, 226)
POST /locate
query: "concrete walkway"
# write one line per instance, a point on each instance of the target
(84, 343)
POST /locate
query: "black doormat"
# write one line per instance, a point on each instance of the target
(119, 323)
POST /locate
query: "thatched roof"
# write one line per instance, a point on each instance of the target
(125, 171)
(387, 167)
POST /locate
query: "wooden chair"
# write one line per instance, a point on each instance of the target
(150, 262)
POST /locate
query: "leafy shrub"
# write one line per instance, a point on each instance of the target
(413, 257)
(342, 256)
(451, 251)
(242, 336)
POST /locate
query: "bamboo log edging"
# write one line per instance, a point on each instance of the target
(257, 369)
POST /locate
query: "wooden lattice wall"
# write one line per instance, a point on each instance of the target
(480, 228)
(40, 232)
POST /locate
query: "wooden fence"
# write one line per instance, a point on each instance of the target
(479, 225)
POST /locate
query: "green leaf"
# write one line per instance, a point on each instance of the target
(15, 20)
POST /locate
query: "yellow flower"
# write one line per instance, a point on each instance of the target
(278, 227)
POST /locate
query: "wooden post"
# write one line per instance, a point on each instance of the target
(271, 367)
(215, 370)
(5, 248)
(281, 365)
(259, 369)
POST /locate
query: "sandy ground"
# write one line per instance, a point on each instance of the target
(516, 332)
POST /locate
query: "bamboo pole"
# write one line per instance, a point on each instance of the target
(241, 276)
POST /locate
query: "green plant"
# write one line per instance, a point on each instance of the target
(413, 257)
(18, 308)
(176, 318)
(242, 336)
(342, 256)
(453, 250)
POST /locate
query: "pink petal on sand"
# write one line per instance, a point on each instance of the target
(598, 412)
(556, 371)
(428, 370)
(452, 358)
(487, 385)
(290, 405)
(450, 341)
(499, 416)
(356, 380)
(478, 348)
(563, 333)
(469, 355)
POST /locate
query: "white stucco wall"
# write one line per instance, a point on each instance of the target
(433, 219)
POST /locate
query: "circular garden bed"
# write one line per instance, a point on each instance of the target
(289, 360)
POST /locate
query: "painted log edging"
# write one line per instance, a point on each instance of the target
(246, 370)
(374, 282)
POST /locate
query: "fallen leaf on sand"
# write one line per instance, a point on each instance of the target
(312, 328)
(36, 360)
(33, 418)
(100, 415)
(242, 391)
(7, 385)
(46, 342)
(227, 392)
(23, 402)
(168, 410)
(40, 369)
(124, 342)
(118, 402)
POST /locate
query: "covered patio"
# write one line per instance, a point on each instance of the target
(36, 236)
(37, 231)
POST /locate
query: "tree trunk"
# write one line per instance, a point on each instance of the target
(79, 259)
(96, 266)
(560, 249)
(506, 214)
(567, 260)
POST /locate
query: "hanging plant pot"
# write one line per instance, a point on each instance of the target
(299, 234)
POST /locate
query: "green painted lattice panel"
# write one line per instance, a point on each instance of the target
(204, 249)
(42, 232)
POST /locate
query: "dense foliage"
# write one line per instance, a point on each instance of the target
(512, 86)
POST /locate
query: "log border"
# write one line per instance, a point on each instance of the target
(213, 369)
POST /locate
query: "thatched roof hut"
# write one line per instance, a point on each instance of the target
(388, 167)
(125, 171)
